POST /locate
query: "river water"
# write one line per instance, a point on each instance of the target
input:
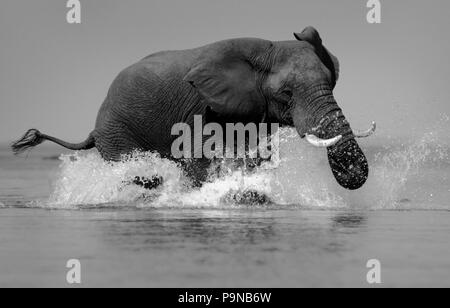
(76, 206)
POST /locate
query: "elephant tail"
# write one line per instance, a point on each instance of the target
(33, 137)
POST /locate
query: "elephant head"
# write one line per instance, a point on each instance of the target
(289, 82)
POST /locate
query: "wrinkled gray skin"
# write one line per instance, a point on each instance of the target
(238, 80)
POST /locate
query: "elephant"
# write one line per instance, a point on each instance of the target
(241, 80)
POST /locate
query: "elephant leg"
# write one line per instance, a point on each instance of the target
(113, 140)
(247, 197)
(152, 183)
(197, 170)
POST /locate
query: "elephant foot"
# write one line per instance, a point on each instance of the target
(248, 197)
(152, 183)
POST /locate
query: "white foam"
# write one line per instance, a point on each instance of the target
(302, 177)
(86, 179)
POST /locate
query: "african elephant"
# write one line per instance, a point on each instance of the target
(245, 80)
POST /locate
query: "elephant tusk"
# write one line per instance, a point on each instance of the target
(366, 133)
(322, 143)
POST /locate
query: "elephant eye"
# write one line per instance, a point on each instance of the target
(285, 95)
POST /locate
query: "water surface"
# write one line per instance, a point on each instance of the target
(313, 234)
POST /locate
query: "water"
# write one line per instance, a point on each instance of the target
(54, 208)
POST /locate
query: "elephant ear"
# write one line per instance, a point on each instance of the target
(227, 83)
(311, 35)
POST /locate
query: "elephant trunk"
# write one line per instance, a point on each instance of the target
(348, 164)
(322, 118)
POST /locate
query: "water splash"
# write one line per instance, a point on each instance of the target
(86, 179)
(395, 169)
(404, 175)
(301, 178)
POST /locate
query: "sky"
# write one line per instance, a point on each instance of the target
(54, 75)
